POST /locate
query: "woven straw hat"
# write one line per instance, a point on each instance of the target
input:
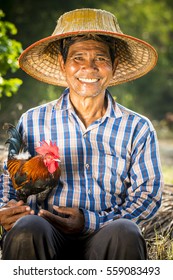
(135, 57)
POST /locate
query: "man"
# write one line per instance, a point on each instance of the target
(111, 178)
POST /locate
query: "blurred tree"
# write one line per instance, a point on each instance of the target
(149, 20)
(34, 20)
(9, 51)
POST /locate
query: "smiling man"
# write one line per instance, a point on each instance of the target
(88, 69)
(111, 180)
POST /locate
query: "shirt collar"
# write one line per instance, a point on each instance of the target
(64, 103)
(113, 110)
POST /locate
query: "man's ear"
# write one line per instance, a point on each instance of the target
(61, 63)
(115, 64)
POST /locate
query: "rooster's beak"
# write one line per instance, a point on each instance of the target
(57, 160)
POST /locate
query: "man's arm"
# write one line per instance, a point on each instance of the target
(143, 187)
(7, 192)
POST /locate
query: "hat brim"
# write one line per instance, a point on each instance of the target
(135, 58)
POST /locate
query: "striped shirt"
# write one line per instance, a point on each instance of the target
(109, 170)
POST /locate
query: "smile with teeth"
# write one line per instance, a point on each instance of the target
(88, 80)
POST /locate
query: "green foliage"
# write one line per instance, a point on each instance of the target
(9, 86)
(9, 51)
(149, 20)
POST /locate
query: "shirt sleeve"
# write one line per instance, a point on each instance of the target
(143, 187)
(7, 192)
(144, 194)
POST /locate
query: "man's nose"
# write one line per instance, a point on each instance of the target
(90, 64)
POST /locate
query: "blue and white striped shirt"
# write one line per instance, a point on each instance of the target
(109, 170)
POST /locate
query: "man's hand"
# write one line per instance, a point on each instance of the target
(68, 220)
(10, 213)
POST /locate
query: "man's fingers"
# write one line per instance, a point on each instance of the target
(15, 210)
(13, 218)
(19, 203)
(63, 210)
(68, 220)
(13, 202)
(11, 215)
(52, 218)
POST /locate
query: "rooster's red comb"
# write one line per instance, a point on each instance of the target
(47, 148)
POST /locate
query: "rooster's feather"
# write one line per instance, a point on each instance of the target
(31, 175)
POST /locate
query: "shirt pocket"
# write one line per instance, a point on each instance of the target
(111, 173)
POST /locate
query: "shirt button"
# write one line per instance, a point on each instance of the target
(89, 192)
(87, 165)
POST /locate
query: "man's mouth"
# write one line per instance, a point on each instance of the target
(83, 80)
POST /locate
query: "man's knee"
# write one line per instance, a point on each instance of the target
(124, 228)
(124, 233)
(28, 227)
(27, 238)
(119, 240)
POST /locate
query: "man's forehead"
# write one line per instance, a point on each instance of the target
(89, 45)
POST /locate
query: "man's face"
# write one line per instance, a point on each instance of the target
(88, 68)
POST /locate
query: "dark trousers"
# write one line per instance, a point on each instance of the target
(33, 238)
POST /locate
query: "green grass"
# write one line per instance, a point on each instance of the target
(161, 248)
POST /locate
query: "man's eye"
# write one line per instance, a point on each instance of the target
(78, 58)
(100, 58)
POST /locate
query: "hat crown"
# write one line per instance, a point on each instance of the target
(135, 57)
(85, 20)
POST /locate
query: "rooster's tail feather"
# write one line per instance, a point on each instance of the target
(16, 144)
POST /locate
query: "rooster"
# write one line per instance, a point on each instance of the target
(36, 175)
